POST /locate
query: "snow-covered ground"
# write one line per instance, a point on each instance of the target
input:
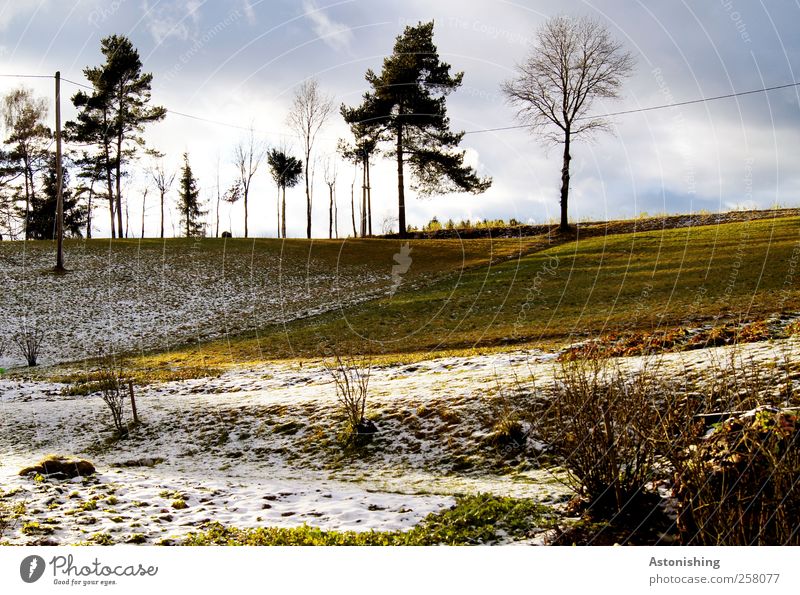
(154, 295)
(257, 447)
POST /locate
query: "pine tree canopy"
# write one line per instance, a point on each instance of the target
(407, 105)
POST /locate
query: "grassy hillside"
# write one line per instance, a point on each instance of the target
(581, 288)
(132, 295)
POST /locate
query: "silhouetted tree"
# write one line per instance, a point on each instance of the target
(286, 171)
(28, 140)
(90, 179)
(247, 157)
(573, 62)
(42, 217)
(189, 201)
(406, 106)
(310, 110)
(360, 153)
(113, 116)
(163, 179)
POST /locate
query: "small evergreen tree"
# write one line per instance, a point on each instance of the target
(286, 171)
(42, 216)
(189, 201)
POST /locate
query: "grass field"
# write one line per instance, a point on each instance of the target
(218, 336)
(629, 282)
(142, 295)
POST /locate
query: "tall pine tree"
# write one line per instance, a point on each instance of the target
(113, 116)
(189, 202)
(406, 106)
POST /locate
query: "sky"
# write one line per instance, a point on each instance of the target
(238, 63)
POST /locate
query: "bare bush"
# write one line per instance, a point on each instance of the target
(351, 376)
(28, 340)
(734, 449)
(113, 390)
(601, 421)
(739, 382)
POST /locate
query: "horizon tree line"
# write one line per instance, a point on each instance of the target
(402, 116)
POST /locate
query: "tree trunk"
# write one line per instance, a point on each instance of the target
(369, 199)
(110, 188)
(330, 212)
(353, 203)
(245, 211)
(119, 186)
(565, 183)
(162, 214)
(111, 212)
(144, 202)
(283, 213)
(278, 204)
(27, 203)
(89, 212)
(308, 197)
(363, 199)
(335, 218)
(401, 198)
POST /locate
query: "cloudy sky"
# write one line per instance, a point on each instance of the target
(239, 62)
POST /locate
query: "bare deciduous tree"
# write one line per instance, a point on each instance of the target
(331, 174)
(310, 110)
(247, 157)
(163, 182)
(572, 62)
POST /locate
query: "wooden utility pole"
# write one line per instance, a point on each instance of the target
(59, 183)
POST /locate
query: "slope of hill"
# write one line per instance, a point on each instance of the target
(612, 284)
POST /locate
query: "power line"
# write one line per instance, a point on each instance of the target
(28, 76)
(499, 129)
(199, 118)
(77, 84)
(654, 107)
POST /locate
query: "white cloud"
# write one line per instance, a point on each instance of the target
(249, 11)
(177, 19)
(11, 10)
(338, 36)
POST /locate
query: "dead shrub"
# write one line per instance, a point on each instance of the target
(115, 390)
(601, 422)
(351, 376)
(28, 340)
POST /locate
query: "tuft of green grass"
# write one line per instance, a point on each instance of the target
(34, 528)
(474, 520)
(179, 504)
